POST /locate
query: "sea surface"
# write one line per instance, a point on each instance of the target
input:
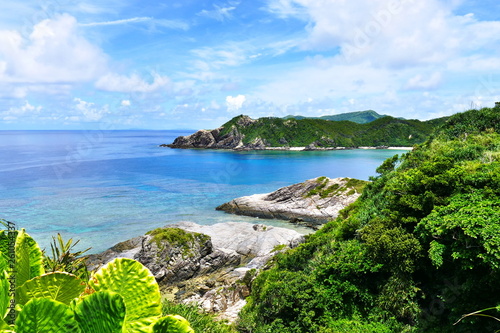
(104, 187)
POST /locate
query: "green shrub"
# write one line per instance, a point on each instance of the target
(200, 321)
(177, 237)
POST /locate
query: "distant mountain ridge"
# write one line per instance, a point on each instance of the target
(360, 117)
(243, 132)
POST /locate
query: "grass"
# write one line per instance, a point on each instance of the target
(200, 320)
(351, 187)
(176, 237)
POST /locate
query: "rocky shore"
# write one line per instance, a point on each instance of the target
(311, 203)
(214, 265)
(210, 265)
(215, 140)
(270, 133)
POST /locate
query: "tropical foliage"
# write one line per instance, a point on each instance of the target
(122, 296)
(385, 131)
(63, 258)
(417, 251)
(200, 321)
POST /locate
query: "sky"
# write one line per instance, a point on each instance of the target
(191, 64)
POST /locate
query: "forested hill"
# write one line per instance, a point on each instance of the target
(416, 252)
(360, 117)
(244, 132)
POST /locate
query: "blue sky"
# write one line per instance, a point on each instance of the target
(169, 64)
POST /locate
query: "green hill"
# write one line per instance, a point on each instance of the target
(360, 117)
(417, 251)
(278, 132)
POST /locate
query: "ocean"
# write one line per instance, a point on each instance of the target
(104, 187)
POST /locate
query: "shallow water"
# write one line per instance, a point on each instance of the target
(104, 187)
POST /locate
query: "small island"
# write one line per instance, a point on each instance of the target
(301, 133)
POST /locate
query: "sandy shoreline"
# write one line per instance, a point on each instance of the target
(331, 148)
(395, 148)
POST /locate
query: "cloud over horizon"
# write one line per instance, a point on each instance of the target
(173, 62)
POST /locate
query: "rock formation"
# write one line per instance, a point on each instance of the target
(214, 139)
(210, 265)
(314, 202)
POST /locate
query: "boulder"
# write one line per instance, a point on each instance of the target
(204, 264)
(246, 239)
(313, 202)
(200, 139)
(209, 139)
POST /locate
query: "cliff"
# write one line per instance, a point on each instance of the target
(243, 132)
(210, 265)
(313, 202)
(219, 138)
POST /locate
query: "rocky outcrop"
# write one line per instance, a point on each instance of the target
(210, 265)
(313, 202)
(208, 139)
(214, 139)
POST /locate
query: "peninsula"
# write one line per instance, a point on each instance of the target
(245, 133)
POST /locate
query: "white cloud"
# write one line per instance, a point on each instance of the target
(89, 110)
(28, 108)
(23, 111)
(132, 83)
(54, 52)
(117, 22)
(419, 82)
(214, 105)
(170, 24)
(209, 58)
(381, 55)
(125, 102)
(218, 13)
(286, 8)
(234, 103)
(391, 33)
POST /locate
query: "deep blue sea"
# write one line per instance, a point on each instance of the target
(104, 187)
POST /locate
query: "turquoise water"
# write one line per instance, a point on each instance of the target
(104, 187)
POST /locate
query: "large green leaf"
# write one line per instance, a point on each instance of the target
(43, 315)
(7, 245)
(7, 240)
(4, 262)
(172, 324)
(4, 287)
(59, 286)
(4, 294)
(28, 258)
(5, 328)
(139, 290)
(102, 311)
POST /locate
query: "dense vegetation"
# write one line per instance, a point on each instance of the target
(417, 251)
(199, 320)
(386, 131)
(360, 117)
(122, 296)
(349, 188)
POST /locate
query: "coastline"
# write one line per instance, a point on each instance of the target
(322, 148)
(292, 148)
(121, 184)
